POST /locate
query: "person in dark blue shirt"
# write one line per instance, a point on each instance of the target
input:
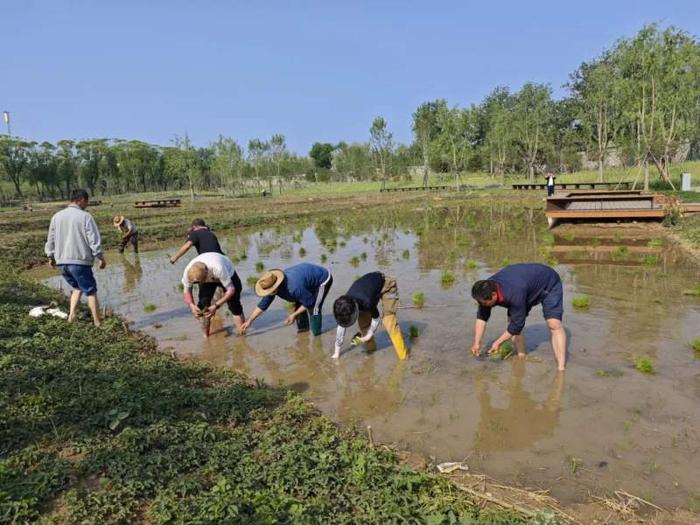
(518, 288)
(306, 285)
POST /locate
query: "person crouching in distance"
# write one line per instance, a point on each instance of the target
(518, 288)
(211, 271)
(359, 304)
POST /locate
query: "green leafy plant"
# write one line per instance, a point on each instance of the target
(645, 365)
(418, 299)
(581, 302)
(354, 261)
(259, 266)
(472, 264)
(504, 352)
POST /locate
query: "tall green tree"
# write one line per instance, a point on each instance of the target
(227, 166)
(381, 144)
(426, 129)
(322, 153)
(14, 159)
(533, 113)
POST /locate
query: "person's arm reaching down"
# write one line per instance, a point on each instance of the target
(182, 251)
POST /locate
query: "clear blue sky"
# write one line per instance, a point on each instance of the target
(312, 70)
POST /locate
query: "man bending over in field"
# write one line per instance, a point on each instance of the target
(360, 304)
(518, 288)
(211, 271)
(201, 237)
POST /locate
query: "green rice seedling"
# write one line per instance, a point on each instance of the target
(296, 238)
(609, 373)
(552, 261)
(259, 266)
(406, 254)
(180, 287)
(324, 258)
(365, 240)
(472, 264)
(581, 302)
(150, 308)
(354, 261)
(413, 331)
(331, 249)
(695, 345)
(649, 260)
(251, 280)
(418, 299)
(447, 279)
(574, 464)
(235, 260)
(503, 353)
(363, 256)
(342, 244)
(302, 252)
(506, 261)
(656, 242)
(645, 365)
(244, 255)
(695, 290)
(620, 251)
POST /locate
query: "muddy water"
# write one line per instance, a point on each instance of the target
(517, 420)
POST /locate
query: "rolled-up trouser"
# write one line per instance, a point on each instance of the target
(133, 239)
(390, 303)
(315, 315)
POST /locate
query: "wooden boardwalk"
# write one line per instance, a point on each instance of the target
(157, 203)
(419, 188)
(624, 185)
(596, 206)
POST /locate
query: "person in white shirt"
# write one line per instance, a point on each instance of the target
(550, 183)
(210, 271)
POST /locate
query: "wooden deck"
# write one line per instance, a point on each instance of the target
(595, 206)
(419, 188)
(624, 185)
(158, 203)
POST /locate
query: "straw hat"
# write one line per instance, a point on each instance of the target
(269, 282)
(197, 273)
(118, 220)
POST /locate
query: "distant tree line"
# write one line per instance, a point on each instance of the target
(638, 101)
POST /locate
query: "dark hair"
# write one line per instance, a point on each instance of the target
(78, 195)
(344, 309)
(198, 222)
(483, 290)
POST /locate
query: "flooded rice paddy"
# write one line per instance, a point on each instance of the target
(601, 426)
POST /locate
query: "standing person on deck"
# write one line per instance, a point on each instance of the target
(73, 244)
(550, 183)
(211, 271)
(306, 285)
(518, 288)
(128, 231)
(202, 238)
(360, 304)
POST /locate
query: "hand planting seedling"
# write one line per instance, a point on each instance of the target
(503, 353)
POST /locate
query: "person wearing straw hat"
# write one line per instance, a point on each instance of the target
(128, 231)
(359, 304)
(211, 271)
(306, 285)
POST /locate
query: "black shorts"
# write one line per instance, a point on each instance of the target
(207, 290)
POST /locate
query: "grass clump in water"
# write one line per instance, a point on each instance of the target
(695, 290)
(649, 260)
(645, 365)
(363, 256)
(695, 345)
(581, 302)
(302, 252)
(251, 280)
(447, 279)
(324, 258)
(150, 307)
(413, 331)
(406, 254)
(259, 266)
(472, 264)
(656, 242)
(418, 299)
(355, 261)
(180, 287)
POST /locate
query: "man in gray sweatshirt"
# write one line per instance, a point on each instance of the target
(73, 244)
